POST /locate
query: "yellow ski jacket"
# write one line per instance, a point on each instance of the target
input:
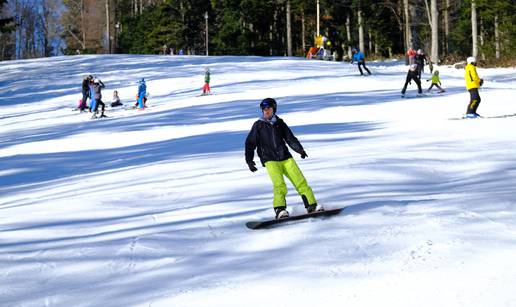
(471, 76)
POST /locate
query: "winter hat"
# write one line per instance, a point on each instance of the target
(436, 73)
(471, 60)
(419, 51)
(268, 103)
(97, 81)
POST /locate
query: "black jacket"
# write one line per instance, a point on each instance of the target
(269, 139)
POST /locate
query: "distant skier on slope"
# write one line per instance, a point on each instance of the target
(473, 83)
(206, 88)
(269, 136)
(436, 81)
(412, 74)
(420, 59)
(85, 92)
(140, 97)
(360, 58)
(97, 90)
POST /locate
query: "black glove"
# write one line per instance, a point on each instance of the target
(252, 168)
(303, 154)
(481, 82)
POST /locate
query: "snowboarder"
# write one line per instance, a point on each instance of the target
(206, 87)
(360, 58)
(97, 90)
(420, 59)
(115, 101)
(140, 97)
(473, 83)
(269, 136)
(412, 74)
(435, 82)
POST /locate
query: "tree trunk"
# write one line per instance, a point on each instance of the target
(474, 34)
(303, 31)
(497, 37)
(482, 54)
(408, 33)
(289, 31)
(361, 40)
(435, 32)
(370, 34)
(447, 27)
(348, 34)
(108, 24)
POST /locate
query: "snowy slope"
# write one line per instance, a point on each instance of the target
(149, 208)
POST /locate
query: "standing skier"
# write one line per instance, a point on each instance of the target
(269, 136)
(420, 60)
(412, 74)
(206, 87)
(97, 90)
(142, 91)
(85, 92)
(473, 83)
(360, 58)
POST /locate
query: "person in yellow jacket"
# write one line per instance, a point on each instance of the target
(473, 83)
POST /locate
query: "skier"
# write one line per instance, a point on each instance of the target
(85, 92)
(360, 58)
(206, 87)
(93, 102)
(420, 59)
(97, 90)
(412, 74)
(115, 101)
(268, 136)
(142, 91)
(473, 83)
(435, 82)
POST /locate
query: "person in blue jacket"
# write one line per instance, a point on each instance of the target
(360, 58)
(93, 101)
(142, 91)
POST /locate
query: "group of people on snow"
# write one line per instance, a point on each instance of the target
(270, 135)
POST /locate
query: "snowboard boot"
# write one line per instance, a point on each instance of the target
(311, 207)
(281, 212)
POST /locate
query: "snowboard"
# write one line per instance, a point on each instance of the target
(268, 223)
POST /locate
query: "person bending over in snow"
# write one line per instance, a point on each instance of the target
(435, 82)
(360, 58)
(269, 136)
(473, 83)
(115, 101)
(206, 87)
(97, 90)
(412, 74)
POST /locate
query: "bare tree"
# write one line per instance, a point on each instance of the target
(474, 27)
(289, 30)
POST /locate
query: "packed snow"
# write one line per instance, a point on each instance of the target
(148, 208)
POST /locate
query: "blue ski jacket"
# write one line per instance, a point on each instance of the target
(359, 56)
(142, 89)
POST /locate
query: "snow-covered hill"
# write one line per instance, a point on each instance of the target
(149, 208)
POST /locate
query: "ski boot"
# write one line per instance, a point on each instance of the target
(281, 212)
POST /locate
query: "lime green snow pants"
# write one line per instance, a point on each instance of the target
(289, 168)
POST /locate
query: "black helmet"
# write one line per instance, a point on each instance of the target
(268, 103)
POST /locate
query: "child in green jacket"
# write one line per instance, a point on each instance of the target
(435, 81)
